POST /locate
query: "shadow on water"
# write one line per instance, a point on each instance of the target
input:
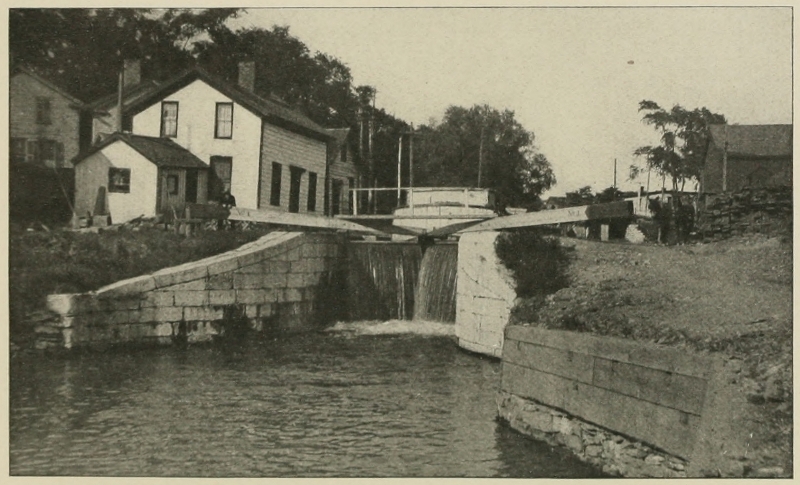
(524, 457)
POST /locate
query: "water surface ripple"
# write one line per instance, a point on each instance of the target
(329, 404)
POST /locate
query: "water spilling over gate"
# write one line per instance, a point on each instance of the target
(435, 296)
(381, 280)
(395, 281)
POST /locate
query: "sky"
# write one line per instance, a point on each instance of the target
(573, 76)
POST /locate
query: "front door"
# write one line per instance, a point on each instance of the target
(173, 190)
(294, 188)
(336, 197)
(219, 179)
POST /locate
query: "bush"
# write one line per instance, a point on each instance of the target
(40, 194)
(538, 263)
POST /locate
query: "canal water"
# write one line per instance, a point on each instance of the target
(364, 400)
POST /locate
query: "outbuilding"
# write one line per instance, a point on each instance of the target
(127, 176)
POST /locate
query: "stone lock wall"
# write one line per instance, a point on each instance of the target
(282, 281)
(637, 410)
(484, 296)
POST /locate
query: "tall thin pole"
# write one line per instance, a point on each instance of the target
(357, 198)
(480, 157)
(399, 162)
(615, 173)
(372, 183)
(411, 158)
(119, 99)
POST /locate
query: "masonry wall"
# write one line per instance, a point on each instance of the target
(283, 281)
(638, 410)
(484, 295)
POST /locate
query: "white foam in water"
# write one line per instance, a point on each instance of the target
(395, 327)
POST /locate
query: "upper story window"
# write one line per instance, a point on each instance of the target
(343, 156)
(224, 121)
(43, 111)
(169, 119)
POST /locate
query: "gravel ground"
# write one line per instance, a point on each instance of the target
(732, 297)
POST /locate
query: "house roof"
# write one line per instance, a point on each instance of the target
(49, 84)
(129, 95)
(271, 110)
(163, 152)
(339, 134)
(753, 140)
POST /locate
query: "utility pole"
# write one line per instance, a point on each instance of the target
(120, 84)
(399, 165)
(615, 173)
(411, 158)
(360, 115)
(372, 178)
(480, 157)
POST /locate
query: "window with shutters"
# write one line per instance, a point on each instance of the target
(169, 119)
(224, 121)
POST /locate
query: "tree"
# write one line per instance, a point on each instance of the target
(609, 194)
(451, 152)
(684, 138)
(582, 196)
(83, 49)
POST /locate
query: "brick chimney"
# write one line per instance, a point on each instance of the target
(247, 75)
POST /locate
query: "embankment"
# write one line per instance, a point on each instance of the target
(282, 281)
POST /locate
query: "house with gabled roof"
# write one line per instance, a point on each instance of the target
(128, 176)
(48, 125)
(266, 153)
(741, 156)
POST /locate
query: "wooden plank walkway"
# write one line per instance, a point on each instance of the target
(609, 210)
(300, 220)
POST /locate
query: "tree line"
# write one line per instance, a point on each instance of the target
(82, 50)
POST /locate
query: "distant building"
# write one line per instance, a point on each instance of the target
(48, 126)
(747, 156)
(342, 172)
(554, 202)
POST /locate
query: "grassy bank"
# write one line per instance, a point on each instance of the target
(41, 263)
(731, 297)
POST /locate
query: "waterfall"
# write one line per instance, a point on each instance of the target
(435, 297)
(381, 280)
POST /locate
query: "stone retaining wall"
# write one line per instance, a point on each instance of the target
(766, 210)
(484, 294)
(635, 409)
(281, 281)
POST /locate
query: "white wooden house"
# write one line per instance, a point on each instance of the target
(269, 155)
